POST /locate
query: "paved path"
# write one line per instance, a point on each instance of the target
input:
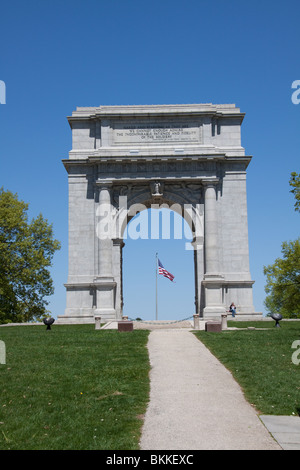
(195, 404)
(285, 429)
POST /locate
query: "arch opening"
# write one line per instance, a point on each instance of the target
(160, 230)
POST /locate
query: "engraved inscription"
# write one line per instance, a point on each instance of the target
(156, 132)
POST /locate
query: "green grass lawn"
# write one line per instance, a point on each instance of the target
(73, 387)
(261, 362)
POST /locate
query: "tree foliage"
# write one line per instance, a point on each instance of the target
(283, 282)
(27, 249)
(295, 184)
(283, 277)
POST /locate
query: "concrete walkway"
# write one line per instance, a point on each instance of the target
(285, 429)
(195, 404)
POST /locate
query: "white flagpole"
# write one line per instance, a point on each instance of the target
(156, 314)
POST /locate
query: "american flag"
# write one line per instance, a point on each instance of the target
(164, 272)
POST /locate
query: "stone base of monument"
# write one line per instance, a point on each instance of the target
(215, 326)
(75, 319)
(125, 326)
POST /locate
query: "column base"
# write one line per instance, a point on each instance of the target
(214, 312)
(87, 299)
(105, 298)
(214, 308)
(75, 316)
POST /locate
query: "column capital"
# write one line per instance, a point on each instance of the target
(197, 241)
(103, 184)
(118, 242)
(209, 182)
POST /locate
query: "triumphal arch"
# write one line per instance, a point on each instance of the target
(126, 158)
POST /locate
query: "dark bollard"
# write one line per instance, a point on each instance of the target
(277, 317)
(48, 321)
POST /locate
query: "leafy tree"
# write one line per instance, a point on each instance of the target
(27, 249)
(295, 183)
(283, 282)
(283, 277)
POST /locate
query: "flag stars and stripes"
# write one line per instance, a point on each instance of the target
(164, 272)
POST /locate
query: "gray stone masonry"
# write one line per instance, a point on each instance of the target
(128, 158)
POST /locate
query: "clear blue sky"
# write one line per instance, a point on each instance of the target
(56, 55)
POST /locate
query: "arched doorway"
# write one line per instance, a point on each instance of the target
(183, 200)
(165, 232)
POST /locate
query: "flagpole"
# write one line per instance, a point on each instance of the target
(156, 284)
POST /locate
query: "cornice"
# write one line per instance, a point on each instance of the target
(148, 111)
(91, 160)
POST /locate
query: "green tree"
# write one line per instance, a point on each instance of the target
(283, 282)
(283, 277)
(27, 249)
(295, 184)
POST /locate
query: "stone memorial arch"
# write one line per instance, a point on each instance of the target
(128, 158)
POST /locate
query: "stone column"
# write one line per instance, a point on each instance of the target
(197, 245)
(213, 280)
(118, 245)
(196, 322)
(104, 229)
(105, 283)
(224, 321)
(211, 228)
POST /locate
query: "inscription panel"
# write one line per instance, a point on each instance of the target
(156, 132)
